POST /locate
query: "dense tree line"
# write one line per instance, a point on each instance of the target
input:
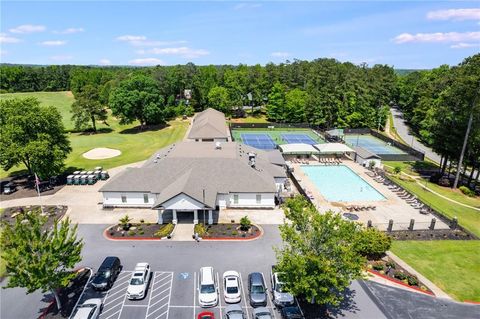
(439, 103)
(322, 92)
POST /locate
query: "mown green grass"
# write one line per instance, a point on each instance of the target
(61, 100)
(275, 133)
(134, 144)
(467, 217)
(453, 265)
(410, 167)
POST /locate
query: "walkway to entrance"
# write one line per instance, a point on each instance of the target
(183, 232)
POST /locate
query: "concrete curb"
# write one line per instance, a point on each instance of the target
(434, 288)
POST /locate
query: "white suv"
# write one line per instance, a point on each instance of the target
(139, 281)
(207, 288)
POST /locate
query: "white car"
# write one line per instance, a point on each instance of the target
(90, 309)
(231, 286)
(207, 288)
(139, 281)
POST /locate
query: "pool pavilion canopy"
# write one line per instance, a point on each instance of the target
(333, 148)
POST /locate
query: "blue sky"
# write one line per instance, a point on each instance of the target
(402, 34)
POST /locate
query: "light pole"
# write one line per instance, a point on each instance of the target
(203, 191)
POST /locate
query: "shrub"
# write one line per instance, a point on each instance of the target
(467, 191)
(142, 221)
(200, 230)
(234, 233)
(141, 232)
(131, 233)
(378, 266)
(412, 280)
(372, 243)
(397, 169)
(391, 264)
(245, 223)
(229, 227)
(400, 275)
(164, 230)
(125, 222)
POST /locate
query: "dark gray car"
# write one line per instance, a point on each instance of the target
(257, 290)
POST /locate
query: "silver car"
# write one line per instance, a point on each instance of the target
(90, 309)
(257, 290)
(261, 313)
(234, 312)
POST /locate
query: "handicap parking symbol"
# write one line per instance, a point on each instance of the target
(184, 275)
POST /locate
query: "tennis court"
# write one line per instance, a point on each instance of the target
(291, 138)
(259, 140)
(372, 144)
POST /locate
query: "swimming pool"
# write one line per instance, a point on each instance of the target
(340, 184)
(373, 144)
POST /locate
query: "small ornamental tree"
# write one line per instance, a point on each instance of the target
(372, 243)
(37, 257)
(245, 223)
(318, 257)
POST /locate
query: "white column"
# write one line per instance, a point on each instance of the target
(160, 216)
(195, 217)
(175, 220)
(210, 217)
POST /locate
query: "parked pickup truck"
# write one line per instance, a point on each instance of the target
(280, 297)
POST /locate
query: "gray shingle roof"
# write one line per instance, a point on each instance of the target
(364, 153)
(209, 124)
(190, 168)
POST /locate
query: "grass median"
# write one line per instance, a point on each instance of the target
(453, 265)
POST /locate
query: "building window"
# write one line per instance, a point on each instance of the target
(235, 199)
(145, 198)
(259, 198)
(124, 199)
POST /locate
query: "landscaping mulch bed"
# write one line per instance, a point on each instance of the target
(52, 212)
(437, 234)
(387, 267)
(26, 187)
(140, 230)
(69, 296)
(231, 230)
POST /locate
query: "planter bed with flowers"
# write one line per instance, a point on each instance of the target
(127, 230)
(227, 231)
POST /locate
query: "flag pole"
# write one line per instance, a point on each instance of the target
(37, 185)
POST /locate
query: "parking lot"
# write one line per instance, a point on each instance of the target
(169, 295)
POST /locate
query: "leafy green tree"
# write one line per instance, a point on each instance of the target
(276, 103)
(32, 135)
(137, 98)
(319, 255)
(218, 99)
(38, 257)
(295, 101)
(372, 243)
(88, 108)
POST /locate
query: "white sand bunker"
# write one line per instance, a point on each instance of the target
(101, 153)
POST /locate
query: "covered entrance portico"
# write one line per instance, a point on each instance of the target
(184, 204)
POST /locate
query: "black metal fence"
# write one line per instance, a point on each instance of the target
(271, 125)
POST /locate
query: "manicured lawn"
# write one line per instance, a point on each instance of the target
(61, 100)
(410, 167)
(454, 266)
(467, 217)
(134, 144)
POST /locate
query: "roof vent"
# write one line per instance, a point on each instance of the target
(218, 145)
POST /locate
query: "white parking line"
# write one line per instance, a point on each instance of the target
(269, 301)
(170, 294)
(151, 294)
(219, 296)
(244, 296)
(159, 279)
(194, 292)
(136, 305)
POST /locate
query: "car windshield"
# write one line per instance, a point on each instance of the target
(257, 289)
(207, 289)
(87, 305)
(279, 287)
(232, 290)
(136, 281)
(104, 274)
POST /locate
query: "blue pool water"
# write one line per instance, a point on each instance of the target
(341, 184)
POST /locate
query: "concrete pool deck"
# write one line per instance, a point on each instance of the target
(392, 207)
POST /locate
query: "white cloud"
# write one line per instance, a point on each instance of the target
(438, 37)
(105, 62)
(53, 43)
(463, 45)
(69, 31)
(146, 61)
(4, 38)
(129, 38)
(243, 5)
(280, 54)
(61, 57)
(181, 51)
(3, 52)
(28, 28)
(454, 14)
